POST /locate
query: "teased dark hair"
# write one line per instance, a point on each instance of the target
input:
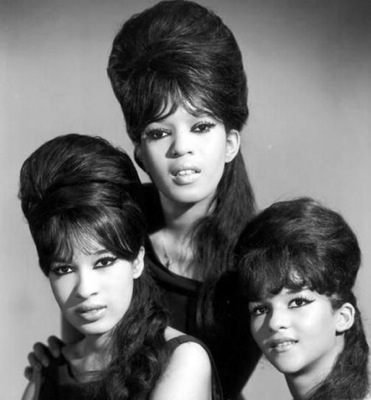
(180, 53)
(78, 190)
(300, 243)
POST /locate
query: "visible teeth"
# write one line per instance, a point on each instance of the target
(284, 344)
(94, 311)
(186, 172)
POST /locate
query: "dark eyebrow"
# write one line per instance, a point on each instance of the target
(60, 260)
(99, 252)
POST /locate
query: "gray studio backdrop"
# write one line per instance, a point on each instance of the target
(308, 65)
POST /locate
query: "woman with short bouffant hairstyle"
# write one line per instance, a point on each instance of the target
(298, 264)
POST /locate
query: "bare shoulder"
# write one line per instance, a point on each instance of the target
(188, 374)
(191, 353)
(188, 353)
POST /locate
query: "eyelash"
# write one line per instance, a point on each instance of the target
(159, 133)
(57, 270)
(254, 312)
(155, 134)
(109, 260)
(207, 126)
(303, 299)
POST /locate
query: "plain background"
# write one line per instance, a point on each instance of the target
(308, 64)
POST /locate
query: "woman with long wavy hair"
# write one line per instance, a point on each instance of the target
(82, 200)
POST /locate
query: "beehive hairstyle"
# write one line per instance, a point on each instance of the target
(78, 191)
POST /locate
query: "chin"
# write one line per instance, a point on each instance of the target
(187, 195)
(287, 368)
(93, 328)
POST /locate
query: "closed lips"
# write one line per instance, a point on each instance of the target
(86, 309)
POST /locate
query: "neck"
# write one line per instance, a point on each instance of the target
(172, 242)
(300, 386)
(179, 217)
(96, 344)
(89, 355)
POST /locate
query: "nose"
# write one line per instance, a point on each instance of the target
(87, 284)
(278, 319)
(181, 144)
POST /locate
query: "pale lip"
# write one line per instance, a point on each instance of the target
(91, 313)
(185, 174)
(282, 344)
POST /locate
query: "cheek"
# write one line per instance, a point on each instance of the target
(121, 289)
(256, 325)
(154, 156)
(216, 148)
(61, 291)
(319, 327)
(320, 316)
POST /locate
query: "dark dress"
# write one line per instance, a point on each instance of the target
(232, 347)
(60, 384)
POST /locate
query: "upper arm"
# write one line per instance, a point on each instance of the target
(188, 376)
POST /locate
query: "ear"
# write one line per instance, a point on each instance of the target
(344, 318)
(233, 145)
(138, 264)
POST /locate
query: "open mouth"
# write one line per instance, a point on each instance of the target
(186, 172)
(186, 175)
(283, 345)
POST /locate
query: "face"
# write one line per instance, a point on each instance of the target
(297, 331)
(185, 155)
(94, 290)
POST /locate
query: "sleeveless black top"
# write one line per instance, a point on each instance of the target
(60, 384)
(231, 344)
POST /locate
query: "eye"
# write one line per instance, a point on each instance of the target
(155, 133)
(258, 309)
(60, 270)
(203, 127)
(105, 262)
(299, 302)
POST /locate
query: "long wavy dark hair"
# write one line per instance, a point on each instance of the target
(76, 190)
(300, 243)
(180, 53)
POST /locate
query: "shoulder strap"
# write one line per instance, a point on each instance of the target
(217, 393)
(173, 343)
